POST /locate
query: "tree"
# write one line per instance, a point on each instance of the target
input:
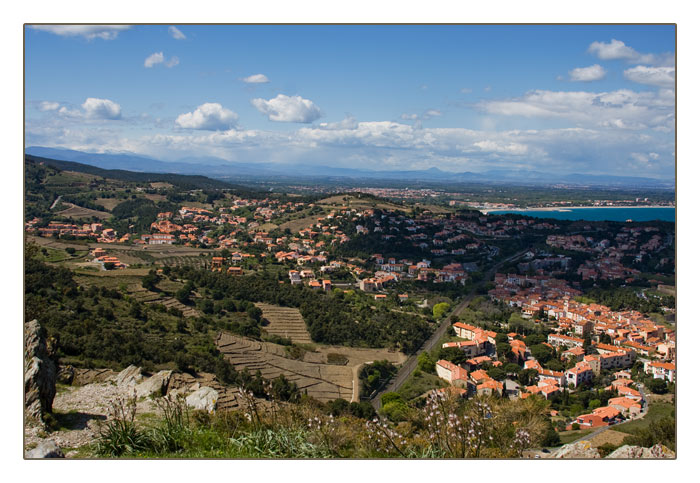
(527, 377)
(439, 310)
(149, 281)
(497, 373)
(426, 363)
(657, 386)
(70, 250)
(452, 354)
(541, 352)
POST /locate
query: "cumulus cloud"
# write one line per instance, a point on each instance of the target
(288, 109)
(210, 116)
(587, 74)
(101, 109)
(158, 58)
(176, 33)
(105, 32)
(617, 50)
(48, 106)
(256, 79)
(655, 76)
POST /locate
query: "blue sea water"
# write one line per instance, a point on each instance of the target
(601, 214)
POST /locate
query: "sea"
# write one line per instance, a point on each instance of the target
(600, 214)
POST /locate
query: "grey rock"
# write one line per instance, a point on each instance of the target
(129, 376)
(204, 398)
(658, 451)
(156, 384)
(45, 449)
(581, 449)
(39, 372)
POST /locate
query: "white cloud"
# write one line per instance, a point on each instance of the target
(348, 123)
(428, 114)
(288, 109)
(587, 74)
(158, 58)
(614, 50)
(176, 33)
(622, 108)
(105, 32)
(48, 106)
(617, 50)
(256, 79)
(153, 59)
(655, 76)
(465, 90)
(101, 109)
(210, 116)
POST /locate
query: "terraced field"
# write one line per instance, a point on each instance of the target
(285, 322)
(75, 211)
(146, 296)
(184, 261)
(321, 381)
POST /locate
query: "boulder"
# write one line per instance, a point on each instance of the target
(129, 376)
(156, 384)
(45, 449)
(204, 398)
(657, 451)
(39, 372)
(66, 375)
(579, 450)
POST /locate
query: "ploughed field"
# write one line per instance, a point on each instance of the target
(285, 322)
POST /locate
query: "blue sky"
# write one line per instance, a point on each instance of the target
(596, 99)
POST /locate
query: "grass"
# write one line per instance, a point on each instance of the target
(420, 383)
(656, 411)
(567, 437)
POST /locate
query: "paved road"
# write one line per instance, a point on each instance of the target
(412, 362)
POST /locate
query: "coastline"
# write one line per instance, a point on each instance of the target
(486, 211)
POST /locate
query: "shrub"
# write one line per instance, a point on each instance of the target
(120, 436)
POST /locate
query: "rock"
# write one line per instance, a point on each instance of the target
(156, 384)
(45, 449)
(129, 376)
(66, 375)
(39, 372)
(204, 398)
(637, 452)
(582, 449)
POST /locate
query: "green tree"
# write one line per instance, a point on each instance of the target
(439, 310)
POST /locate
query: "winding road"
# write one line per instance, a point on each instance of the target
(412, 362)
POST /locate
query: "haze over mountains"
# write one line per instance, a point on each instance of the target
(220, 168)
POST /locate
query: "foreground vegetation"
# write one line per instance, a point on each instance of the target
(441, 427)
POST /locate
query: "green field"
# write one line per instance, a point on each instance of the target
(656, 411)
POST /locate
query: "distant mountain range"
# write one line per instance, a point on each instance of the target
(222, 169)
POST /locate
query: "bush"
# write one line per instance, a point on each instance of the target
(336, 359)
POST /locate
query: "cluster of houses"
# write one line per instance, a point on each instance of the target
(100, 256)
(87, 230)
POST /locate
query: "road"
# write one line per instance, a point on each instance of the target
(412, 362)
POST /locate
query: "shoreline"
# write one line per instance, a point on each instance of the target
(486, 211)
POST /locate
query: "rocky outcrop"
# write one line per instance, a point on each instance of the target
(581, 449)
(658, 451)
(156, 384)
(45, 449)
(204, 398)
(39, 372)
(129, 376)
(66, 375)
